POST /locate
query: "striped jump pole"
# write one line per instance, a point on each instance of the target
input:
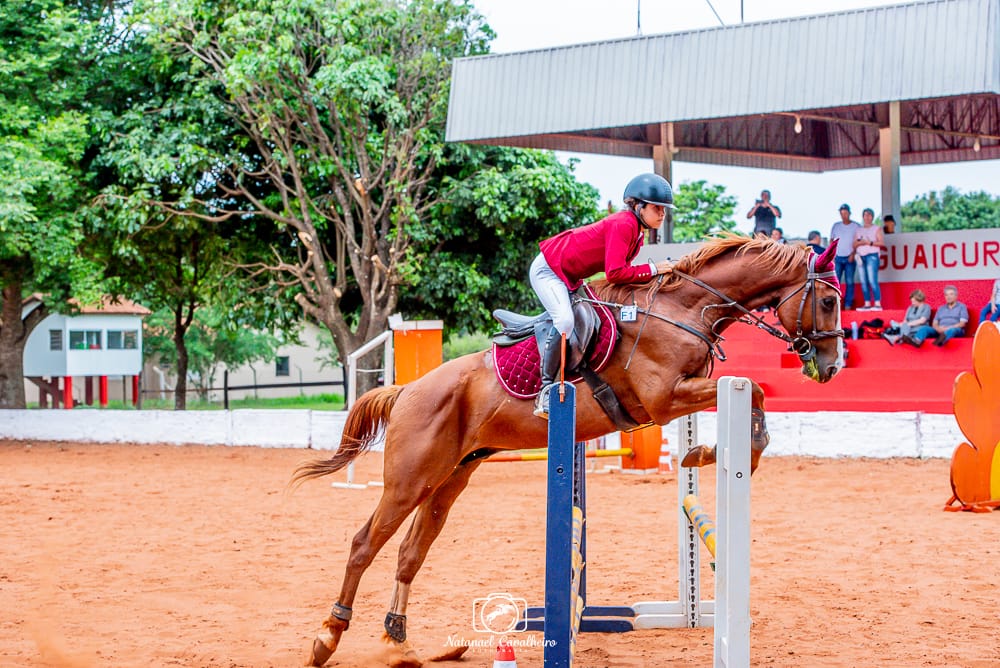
(702, 522)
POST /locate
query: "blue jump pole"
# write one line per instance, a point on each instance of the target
(561, 592)
(565, 613)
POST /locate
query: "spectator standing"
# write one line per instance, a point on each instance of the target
(777, 234)
(919, 313)
(949, 321)
(815, 241)
(992, 308)
(888, 224)
(765, 214)
(845, 230)
(868, 245)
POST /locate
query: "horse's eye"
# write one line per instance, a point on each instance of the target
(829, 303)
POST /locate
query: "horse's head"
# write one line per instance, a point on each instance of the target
(810, 312)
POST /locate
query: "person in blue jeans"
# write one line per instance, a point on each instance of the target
(845, 230)
(991, 311)
(949, 321)
(868, 245)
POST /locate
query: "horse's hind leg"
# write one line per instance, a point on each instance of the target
(426, 527)
(394, 506)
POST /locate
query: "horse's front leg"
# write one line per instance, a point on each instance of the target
(702, 393)
(426, 526)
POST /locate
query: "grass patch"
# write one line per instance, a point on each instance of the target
(463, 344)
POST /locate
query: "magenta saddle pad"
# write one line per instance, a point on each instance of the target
(518, 367)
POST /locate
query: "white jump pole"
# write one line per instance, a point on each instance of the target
(732, 562)
(389, 368)
(729, 613)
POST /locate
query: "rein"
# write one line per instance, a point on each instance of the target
(802, 343)
(714, 349)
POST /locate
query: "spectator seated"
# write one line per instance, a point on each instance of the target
(877, 376)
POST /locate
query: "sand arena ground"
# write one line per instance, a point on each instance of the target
(125, 555)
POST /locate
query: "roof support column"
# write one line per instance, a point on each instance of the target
(888, 153)
(663, 164)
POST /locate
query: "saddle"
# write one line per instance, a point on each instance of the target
(517, 348)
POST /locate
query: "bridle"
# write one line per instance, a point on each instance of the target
(802, 343)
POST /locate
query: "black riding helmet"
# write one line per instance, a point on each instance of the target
(652, 189)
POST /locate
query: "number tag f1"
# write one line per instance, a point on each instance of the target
(629, 313)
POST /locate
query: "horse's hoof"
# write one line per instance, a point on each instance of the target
(326, 641)
(321, 652)
(701, 455)
(401, 654)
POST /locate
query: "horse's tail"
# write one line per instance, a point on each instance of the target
(365, 423)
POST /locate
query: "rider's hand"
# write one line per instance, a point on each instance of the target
(664, 267)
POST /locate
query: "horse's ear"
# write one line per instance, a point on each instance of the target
(825, 260)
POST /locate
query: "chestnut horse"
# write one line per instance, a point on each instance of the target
(438, 429)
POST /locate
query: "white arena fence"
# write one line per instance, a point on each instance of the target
(818, 434)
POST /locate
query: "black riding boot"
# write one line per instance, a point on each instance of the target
(551, 358)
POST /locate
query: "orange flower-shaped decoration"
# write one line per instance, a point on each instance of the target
(975, 466)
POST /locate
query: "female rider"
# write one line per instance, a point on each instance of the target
(609, 245)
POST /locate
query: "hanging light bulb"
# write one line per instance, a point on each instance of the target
(976, 146)
(798, 125)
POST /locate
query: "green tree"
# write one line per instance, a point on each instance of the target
(950, 209)
(158, 228)
(211, 341)
(48, 58)
(493, 206)
(345, 104)
(702, 209)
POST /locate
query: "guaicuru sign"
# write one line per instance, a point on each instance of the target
(954, 255)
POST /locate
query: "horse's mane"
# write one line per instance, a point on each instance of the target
(772, 258)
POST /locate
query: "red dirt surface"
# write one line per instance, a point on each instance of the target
(125, 555)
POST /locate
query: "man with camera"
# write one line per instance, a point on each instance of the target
(765, 214)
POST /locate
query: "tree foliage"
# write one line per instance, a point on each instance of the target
(950, 209)
(211, 341)
(493, 206)
(702, 209)
(156, 227)
(48, 60)
(344, 104)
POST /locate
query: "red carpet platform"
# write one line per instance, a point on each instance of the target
(878, 377)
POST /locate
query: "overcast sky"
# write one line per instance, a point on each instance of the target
(808, 201)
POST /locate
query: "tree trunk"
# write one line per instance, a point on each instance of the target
(13, 336)
(368, 377)
(347, 341)
(180, 391)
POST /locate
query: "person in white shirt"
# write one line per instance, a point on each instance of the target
(845, 230)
